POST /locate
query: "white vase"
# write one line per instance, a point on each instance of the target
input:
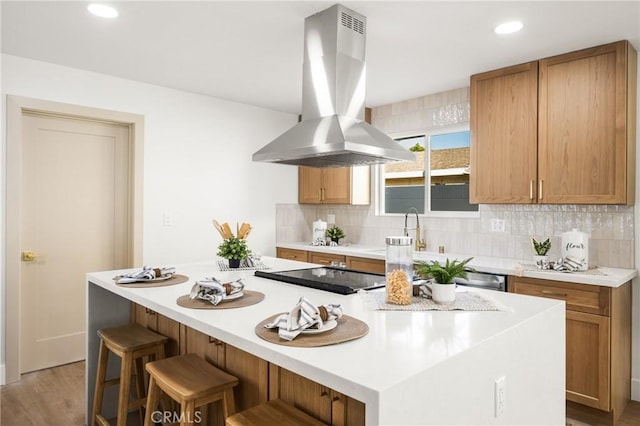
(443, 294)
(542, 261)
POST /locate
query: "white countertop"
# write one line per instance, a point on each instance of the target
(602, 276)
(399, 346)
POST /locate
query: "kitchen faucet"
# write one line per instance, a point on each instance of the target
(420, 243)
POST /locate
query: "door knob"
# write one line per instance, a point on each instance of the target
(29, 256)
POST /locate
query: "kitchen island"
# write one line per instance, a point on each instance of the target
(411, 368)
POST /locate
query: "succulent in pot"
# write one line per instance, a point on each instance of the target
(334, 233)
(443, 290)
(234, 249)
(541, 249)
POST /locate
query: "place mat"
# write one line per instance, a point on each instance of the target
(175, 279)
(465, 301)
(250, 298)
(259, 266)
(349, 328)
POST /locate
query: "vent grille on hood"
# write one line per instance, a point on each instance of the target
(333, 132)
(352, 23)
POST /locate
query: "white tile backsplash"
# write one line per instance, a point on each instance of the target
(611, 228)
(607, 247)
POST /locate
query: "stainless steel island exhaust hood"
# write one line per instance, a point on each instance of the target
(333, 132)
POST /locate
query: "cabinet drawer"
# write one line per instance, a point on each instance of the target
(586, 298)
(366, 265)
(291, 254)
(325, 258)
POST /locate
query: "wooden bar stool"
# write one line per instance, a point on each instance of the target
(274, 412)
(192, 382)
(130, 342)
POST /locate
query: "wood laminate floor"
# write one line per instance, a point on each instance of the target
(55, 397)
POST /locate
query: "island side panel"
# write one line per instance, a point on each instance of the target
(460, 391)
(104, 309)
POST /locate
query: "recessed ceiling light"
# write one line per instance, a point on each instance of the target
(508, 27)
(102, 10)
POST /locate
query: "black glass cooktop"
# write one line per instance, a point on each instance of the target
(335, 280)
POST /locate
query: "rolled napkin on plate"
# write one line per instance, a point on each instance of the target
(147, 273)
(303, 316)
(212, 290)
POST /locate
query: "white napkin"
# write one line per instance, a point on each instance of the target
(212, 290)
(569, 264)
(304, 315)
(147, 273)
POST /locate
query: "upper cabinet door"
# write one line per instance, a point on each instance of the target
(584, 139)
(337, 185)
(504, 135)
(309, 185)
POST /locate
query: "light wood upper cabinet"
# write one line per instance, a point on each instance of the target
(556, 131)
(583, 133)
(504, 114)
(335, 185)
(342, 185)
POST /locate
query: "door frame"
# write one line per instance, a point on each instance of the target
(16, 105)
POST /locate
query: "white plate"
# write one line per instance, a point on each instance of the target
(328, 325)
(231, 297)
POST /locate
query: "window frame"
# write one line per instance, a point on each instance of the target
(379, 180)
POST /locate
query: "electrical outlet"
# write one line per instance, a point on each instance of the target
(497, 225)
(500, 393)
(167, 220)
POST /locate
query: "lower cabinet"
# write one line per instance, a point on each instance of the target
(352, 262)
(365, 264)
(325, 258)
(251, 371)
(598, 340)
(291, 254)
(318, 401)
(160, 324)
(259, 380)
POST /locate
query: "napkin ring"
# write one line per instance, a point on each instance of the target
(324, 314)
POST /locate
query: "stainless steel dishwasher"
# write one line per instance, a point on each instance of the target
(484, 280)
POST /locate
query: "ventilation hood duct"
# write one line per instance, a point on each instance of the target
(333, 132)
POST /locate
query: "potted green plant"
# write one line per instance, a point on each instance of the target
(443, 289)
(235, 250)
(541, 249)
(334, 233)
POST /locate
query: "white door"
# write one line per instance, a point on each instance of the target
(74, 219)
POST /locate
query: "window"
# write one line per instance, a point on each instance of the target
(438, 181)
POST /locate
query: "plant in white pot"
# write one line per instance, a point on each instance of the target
(443, 290)
(541, 249)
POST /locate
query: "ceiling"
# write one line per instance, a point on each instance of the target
(251, 52)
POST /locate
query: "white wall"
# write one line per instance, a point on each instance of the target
(197, 159)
